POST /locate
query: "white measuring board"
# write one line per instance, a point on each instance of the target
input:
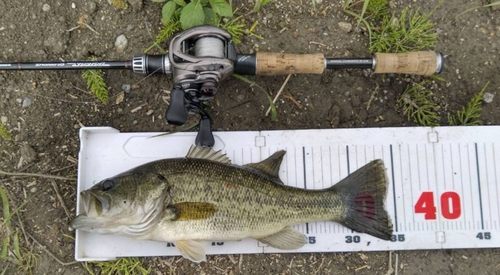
(444, 183)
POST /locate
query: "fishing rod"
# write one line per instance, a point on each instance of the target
(201, 57)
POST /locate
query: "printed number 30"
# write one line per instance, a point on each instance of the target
(450, 205)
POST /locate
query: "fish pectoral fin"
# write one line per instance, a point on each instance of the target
(286, 239)
(188, 211)
(191, 250)
(196, 152)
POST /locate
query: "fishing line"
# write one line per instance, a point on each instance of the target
(209, 46)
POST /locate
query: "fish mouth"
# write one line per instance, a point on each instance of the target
(94, 204)
(93, 207)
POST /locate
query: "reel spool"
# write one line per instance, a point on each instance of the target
(202, 53)
(209, 46)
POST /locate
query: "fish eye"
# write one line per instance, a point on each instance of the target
(107, 185)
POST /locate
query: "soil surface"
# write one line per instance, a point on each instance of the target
(44, 110)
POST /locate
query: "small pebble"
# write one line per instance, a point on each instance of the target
(33, 190)
(19, 100)
(488, 97)
(126, 88)
(345, 27)
(46, 7)
(27, 102)
(4, 119)
(73, 5)
(121, 43)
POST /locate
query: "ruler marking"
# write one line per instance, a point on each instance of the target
(305, 178)
(463, 184)
(356, 157)
(331, 168)
(347, 154)
(286, 165)
(419, 181)
(338, 162)
(463, 194)
(402, 189)
(411, 180)
(296, 168)
(322, 176)
(427, 164)
(487, 183)
(479, 187)
(394, 190)
(436, 226)
(495, 167)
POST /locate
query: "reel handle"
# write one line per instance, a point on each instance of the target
(176, 113)
(205, 138)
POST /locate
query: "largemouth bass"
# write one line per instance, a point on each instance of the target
(205, 197)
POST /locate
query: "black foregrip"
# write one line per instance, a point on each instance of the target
(176, 112)
(245, 64)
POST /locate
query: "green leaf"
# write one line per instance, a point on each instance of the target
(192, 15)
(180, 3)
(211, 17)
(274, 114)
(159, 1)
(167, 12)
(260, 3)
(204, 2)
(221, 7)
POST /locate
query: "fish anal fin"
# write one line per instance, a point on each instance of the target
(269, 166)
(191, 250)
(187, 211)
(286, 239)
(196, 152)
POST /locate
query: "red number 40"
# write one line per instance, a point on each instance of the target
(450, 205)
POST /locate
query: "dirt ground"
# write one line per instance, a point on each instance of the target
(45, 130)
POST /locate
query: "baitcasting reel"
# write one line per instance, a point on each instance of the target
(198, 59)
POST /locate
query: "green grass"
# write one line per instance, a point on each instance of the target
(4, 133)
(128, 266)
(260, 3)
(12, 252)
(96, 84)
(478, 7)
(469, 115)
(410, 31)
(167, 31)
(119, 4)
(273, 113)
(418, 106)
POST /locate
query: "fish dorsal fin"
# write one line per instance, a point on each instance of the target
(269, 166)
(196, 152)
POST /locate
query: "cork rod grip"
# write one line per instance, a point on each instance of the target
(418, 63)
(282, 64)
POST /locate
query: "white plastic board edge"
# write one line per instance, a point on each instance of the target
(361, 145)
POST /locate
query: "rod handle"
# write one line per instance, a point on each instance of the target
(283, 63)
(417, 63)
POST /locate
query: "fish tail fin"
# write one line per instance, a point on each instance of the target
(363, 193)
